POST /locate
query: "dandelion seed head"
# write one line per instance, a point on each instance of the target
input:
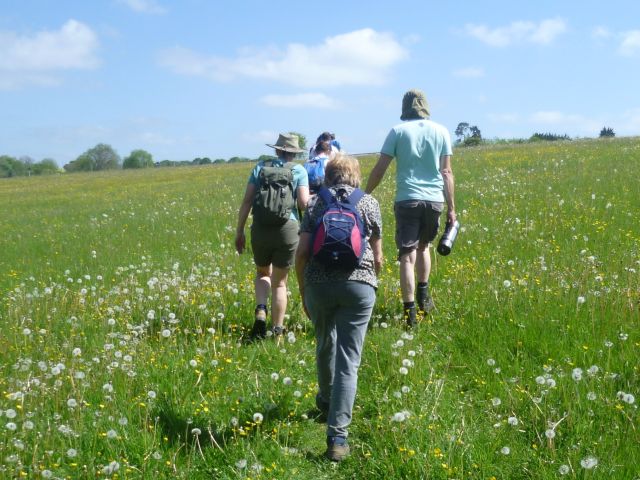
(403, 371)
(564, 469)
(550, 433)
(589, 462)
(242, 463)
(513, 421)
(258, 417)
(111, 468)
(496, 401)
(505, 450)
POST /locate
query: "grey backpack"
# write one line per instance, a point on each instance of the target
(274, 198)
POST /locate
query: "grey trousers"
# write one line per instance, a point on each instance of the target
(340, 313)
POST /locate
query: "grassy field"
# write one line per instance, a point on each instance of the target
(122, 302)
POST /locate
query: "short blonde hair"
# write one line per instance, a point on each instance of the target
(342, 170)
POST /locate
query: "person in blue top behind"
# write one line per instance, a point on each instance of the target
(273, 245)
(424, 181)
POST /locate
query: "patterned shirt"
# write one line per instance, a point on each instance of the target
(316, 272)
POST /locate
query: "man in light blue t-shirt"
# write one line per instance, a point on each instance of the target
(424, 182)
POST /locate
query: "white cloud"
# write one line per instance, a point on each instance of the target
(301, 100)
(33, 59)
(566, 121)
(628, 123)
(361, 57)
(469, 72)
(144, 6)
(601, 33)
(630, 44)
(542, 33)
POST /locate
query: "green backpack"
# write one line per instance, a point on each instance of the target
(274, 199)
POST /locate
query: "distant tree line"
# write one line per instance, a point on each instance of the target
(470, 135)
(25, 166)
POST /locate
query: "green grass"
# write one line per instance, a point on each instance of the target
(122, 303)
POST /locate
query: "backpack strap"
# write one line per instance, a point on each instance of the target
(355, 196)
(325, 195)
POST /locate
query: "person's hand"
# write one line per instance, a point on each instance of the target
(451, 217)
(377, 265)
(240, 242)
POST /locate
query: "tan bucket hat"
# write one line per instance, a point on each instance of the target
(288, 143)
(414, 105)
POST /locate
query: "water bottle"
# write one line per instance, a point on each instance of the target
(448, 238)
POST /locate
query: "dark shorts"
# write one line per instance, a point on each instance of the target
(417, 222)
(274, 245)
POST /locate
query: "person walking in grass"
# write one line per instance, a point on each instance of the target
(316, 166)
(339, 300)
(275, 193)
(424, 182)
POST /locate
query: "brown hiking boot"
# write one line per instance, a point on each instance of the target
(337, 449)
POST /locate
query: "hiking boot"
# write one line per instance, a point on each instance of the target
(337, 449)
(258, 331)
(279, 331)
(410, 317)
(426, 304)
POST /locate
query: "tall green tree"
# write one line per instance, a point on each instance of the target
(138, 159)
(46, 166)
(11, 167)
(100, 157)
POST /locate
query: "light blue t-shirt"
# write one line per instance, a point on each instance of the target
(417, 146)
(300, 179)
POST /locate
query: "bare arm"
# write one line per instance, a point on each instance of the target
(302, 258)
(447, 176)
(376, 247)
(302, 198)
(243, 214)
(376, 175)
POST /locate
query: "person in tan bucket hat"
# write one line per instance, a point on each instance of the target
(424, 182)
(276, 191)
(287, 142)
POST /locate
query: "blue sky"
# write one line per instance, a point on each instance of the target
(192, 78)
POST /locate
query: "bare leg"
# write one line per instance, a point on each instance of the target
(423, 263)
(262, 284)
(407, 276)
(278, 295)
